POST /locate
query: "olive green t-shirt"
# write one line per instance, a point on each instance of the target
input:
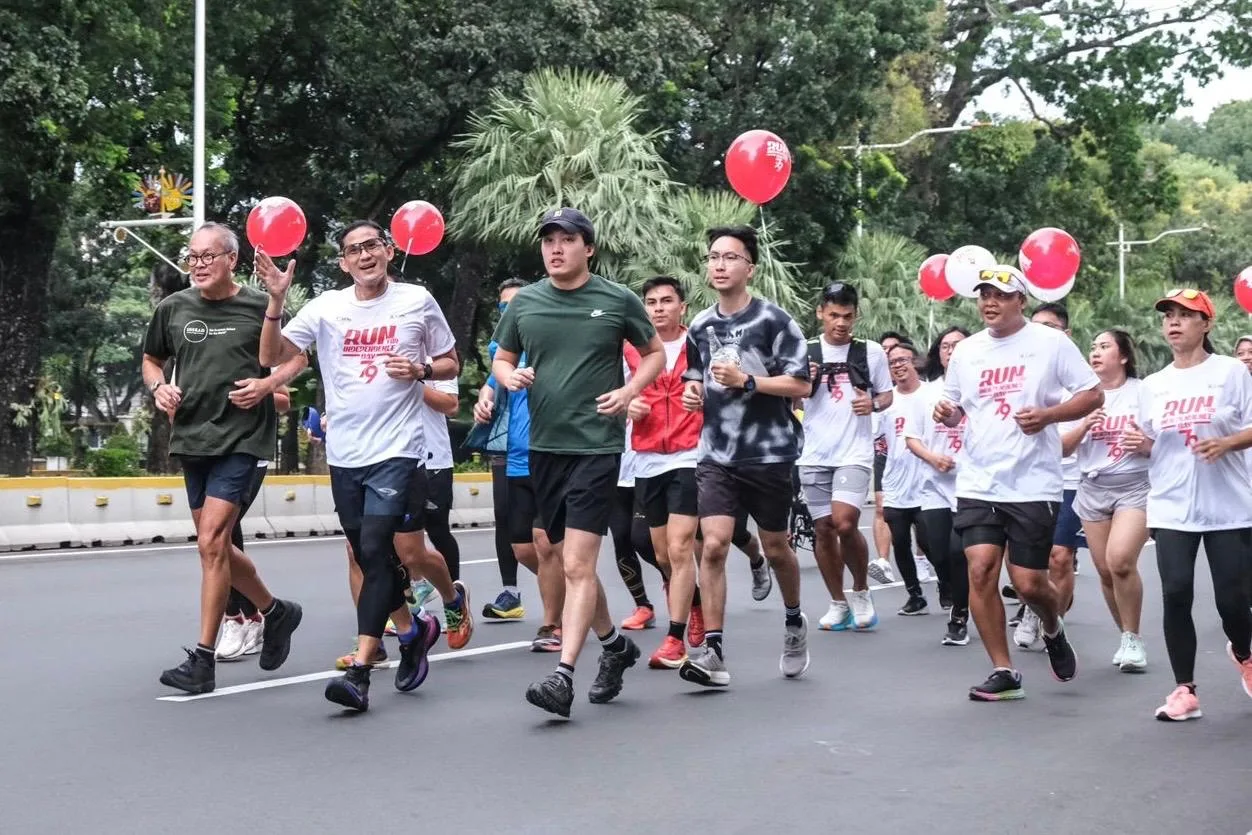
(573, 339)
(214, 343)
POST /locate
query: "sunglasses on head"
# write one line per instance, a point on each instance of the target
(1186, 292)
(1002, 276)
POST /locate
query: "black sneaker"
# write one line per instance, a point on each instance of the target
(352, 689)
(957, 634)
(1017, 617)
(915, 605)
(195, 675)
(414, 664)
(1000, 686)
(279, 625)
(554, 694)
(1061, 656)
(1008, 592)
(945, 599)
(608, 681)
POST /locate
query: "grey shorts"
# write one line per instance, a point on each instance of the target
(823, 485)
(1101, 496)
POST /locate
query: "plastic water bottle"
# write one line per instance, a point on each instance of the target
(720, 353)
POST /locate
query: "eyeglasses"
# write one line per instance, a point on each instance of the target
(371, 246)
(1187, 293)
(191, 259)
(1002, 276)
(727, 258)
(899, 362)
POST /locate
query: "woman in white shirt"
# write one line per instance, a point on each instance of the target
(1197, 412)
(1112, 497)
(1243, 351)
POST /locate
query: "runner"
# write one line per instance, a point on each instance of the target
(1197, 412)
(1243, 351)
(1113, 494)
(628, 530)
(224, 422)
(880, 567)
(572, 326)
(745, 362)
(1010, 380)
(850, 382)
(372, 340)
(939, 447)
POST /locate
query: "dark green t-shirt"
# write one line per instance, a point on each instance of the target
(573, 339)
(214, 343)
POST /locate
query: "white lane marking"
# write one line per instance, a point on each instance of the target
(283, 682)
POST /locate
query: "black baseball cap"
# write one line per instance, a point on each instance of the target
(572, 221)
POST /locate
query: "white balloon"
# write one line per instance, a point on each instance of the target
(1051, 295)
(963, 267)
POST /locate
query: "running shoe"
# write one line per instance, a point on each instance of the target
(352, 689)
(1245, 668)
(1000, 686)
(231, 639)
(422, 591)
(695, 626)
(795, 654)
(414, 664)
(958, 631)
(195, 675)
(1180, 706)
(276, 636)
(547, 639)
(864, 617)
(762, 580)
(915, 605)
(925, 574)
(253, 635)
(390, 629)
(1134, 656)
(1008, 592)
(343, 662)
(613, 665)
(1061, 656)
(507, 606)
(1026, 635)
(670, 655)
(838, 617)
(880, 572)
(1017, 616)
(644, 617)
(460, 620)
(1121, 651)
(705, 667)
(554, 694)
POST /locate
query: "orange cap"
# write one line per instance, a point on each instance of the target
(1196, 300)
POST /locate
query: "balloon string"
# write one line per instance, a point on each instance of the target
(405, 259)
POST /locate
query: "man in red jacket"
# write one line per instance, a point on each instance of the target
(665, 438)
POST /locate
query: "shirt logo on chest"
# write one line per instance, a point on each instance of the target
(195, 331)
(597, 313)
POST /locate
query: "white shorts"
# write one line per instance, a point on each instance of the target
(823, 485)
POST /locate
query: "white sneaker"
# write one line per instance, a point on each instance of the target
(924, 572)
(880, 572)
(230, 640)
(1134, 657)
(253, 633)
(1121, 651)
(838, 617)
(863, 615)
(1026, 635)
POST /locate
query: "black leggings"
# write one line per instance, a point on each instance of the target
(500, 510)
(631, 540)
(384, 579)
(1230, 558)
(439, 529)
(947, 555)
(901, 521)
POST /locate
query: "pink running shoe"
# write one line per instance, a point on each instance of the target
(1245, 668)
(1179, 706)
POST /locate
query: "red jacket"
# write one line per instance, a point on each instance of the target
(668, 427)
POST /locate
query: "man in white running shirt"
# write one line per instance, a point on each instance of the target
(1011, 380)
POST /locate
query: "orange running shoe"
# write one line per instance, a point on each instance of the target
(669, 656)
(641, 618)
(459, 619)
(695, 626)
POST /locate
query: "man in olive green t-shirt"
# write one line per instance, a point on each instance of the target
(224, 423)
(572, 327)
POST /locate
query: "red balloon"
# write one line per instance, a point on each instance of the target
(931, 278)
(1049, 257)
(758, 166)
(417, 227)
(1243, 289)
(276, 225)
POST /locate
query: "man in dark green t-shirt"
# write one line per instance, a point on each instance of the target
(572, 327)
(224, 423)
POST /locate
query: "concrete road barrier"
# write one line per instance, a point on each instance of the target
(35, 513)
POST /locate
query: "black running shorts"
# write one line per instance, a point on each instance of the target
(1025, 527)
(574, 491)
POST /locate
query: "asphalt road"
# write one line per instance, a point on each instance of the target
(878, 736)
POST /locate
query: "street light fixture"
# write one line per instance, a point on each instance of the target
(861, 147)
(1124, 246)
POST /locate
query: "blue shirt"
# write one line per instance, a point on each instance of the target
(518, 461)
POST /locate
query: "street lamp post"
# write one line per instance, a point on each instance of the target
(861, 147)
(1124, 246)
(197, 122)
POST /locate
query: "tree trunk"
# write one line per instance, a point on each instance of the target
(164, 281)
(472, 272)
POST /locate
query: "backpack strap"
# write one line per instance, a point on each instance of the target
(815, 358)
(858, 366)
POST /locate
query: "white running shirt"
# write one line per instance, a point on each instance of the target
(1100, 451)
(902, 474)
(1182, 406)
(375, 417)
(992, 379)
(435, 428)
(936, 490)
(833, 435)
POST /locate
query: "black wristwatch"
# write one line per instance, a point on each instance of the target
(427, 371)
(749, 384)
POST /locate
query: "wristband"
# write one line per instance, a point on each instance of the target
(270, 318)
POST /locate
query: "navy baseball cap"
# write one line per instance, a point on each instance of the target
(570, 220)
